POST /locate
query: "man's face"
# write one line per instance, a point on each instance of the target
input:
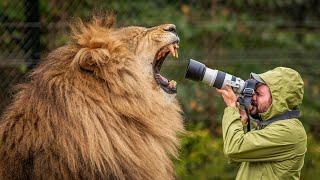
(261, 100)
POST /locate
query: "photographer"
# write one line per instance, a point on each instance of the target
(275, 149)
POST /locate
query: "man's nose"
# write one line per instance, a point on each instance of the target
(254, 97)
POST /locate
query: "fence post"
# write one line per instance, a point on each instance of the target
(32, 33)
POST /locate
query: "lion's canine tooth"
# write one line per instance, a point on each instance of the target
(176, 46)
(176, 53)
(171, 48)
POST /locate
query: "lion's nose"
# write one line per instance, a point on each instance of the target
(170, 28)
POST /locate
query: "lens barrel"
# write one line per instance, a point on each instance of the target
(195, 70)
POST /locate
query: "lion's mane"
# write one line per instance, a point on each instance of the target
(87, 113)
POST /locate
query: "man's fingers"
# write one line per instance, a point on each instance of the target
(219, 91)
(222, 92)
(227, 97)
(229, 89)
(238, 105)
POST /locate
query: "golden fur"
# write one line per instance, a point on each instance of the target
(92, 110)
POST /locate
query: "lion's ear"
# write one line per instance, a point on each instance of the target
(91, 59)
(96, 43)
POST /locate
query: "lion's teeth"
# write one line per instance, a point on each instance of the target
(176, 53)
(172, 83)
(171, 48)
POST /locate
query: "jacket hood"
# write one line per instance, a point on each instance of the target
(286, 86)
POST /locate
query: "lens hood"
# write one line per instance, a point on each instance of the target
(195, 70)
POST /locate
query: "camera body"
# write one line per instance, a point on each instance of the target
(197, 71)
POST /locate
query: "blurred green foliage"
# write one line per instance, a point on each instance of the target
(312, 160)
(237, 37)
(202, 158)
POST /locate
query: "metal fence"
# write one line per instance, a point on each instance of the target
(29, 29)
(19, 42)
(26, 35)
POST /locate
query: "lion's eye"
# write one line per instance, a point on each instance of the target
(171, 29)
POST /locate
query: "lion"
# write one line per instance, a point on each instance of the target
(96, 108)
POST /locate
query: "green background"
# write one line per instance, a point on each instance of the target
(237, 37)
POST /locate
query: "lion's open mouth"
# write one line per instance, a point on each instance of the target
(168, 86)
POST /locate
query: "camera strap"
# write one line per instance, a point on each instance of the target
(284, 116)
(246, 99)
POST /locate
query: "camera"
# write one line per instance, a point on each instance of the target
(197, 71)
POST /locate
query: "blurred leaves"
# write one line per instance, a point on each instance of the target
(312, 160)
(201, 158)
(237, 37)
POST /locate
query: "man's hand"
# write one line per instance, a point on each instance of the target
(231, 100)
(244, 117)
(228, 96)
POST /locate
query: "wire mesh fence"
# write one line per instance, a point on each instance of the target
(220, 34)
(29, 28)
(239, 37)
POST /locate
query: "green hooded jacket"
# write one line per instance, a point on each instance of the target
(276, 151)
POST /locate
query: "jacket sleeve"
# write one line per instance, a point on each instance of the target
(275, 142)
